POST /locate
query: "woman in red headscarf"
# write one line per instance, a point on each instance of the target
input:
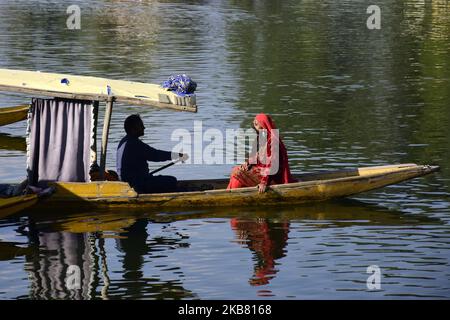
(268, 164)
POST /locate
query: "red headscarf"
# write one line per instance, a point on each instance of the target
(284, 174)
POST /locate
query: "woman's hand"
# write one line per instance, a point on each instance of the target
(262, 188)
(245, 166)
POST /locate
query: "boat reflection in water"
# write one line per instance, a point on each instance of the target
(55, 246)
(48, 269)
(267, 240)
(137, 246)
(12, 143)
(137, 264)
(266, 236)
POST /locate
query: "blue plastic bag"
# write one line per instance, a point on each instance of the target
(181, 84)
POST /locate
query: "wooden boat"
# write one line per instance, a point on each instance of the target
(9, 206)
(93, 88)
(13, 114)
(212, 193)
(196, 193)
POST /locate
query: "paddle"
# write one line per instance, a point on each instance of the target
(166, 166)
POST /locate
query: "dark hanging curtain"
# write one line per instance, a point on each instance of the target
(60, 140)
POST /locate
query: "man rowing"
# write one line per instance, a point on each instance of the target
(132, 157)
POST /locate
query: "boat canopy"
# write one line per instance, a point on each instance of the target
(61, 141)
(95, 89)
(86, 88)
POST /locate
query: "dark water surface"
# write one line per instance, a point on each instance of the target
(342, 95)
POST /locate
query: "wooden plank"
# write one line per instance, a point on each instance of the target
(105, 135)
(46, 93)
(160, 105)
(94, 97)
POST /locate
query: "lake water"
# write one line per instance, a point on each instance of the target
(342, 96)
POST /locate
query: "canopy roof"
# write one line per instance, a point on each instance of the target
(93, 88)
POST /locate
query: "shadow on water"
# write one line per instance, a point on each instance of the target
(58, 241)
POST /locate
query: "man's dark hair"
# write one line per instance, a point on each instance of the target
(132, 122)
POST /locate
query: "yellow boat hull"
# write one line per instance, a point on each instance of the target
(9, 206)
(212, 193)
(13, 114)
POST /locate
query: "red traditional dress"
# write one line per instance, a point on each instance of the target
(263, 160)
